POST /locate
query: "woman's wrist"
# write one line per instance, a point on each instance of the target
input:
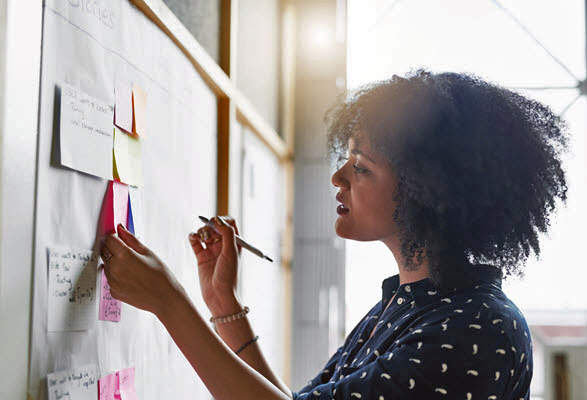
(173, 297)
(227, 306)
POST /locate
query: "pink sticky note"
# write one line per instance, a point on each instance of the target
(115, 207)
(118, 386)
(123, 107)
(120, 206)
(114, 212)
(110, 308)
(126, 384)
(108, 387)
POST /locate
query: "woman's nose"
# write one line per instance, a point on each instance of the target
(338, 179)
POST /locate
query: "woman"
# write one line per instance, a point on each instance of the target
(455, 176)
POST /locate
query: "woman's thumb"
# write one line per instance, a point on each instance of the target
(131, 240)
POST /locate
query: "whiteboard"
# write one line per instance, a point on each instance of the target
(88, 45)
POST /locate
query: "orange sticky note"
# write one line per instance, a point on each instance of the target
(139, 109)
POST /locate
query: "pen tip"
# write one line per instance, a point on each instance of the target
(267, 258)
(203, 219)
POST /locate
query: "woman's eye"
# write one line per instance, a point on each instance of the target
(360, 170)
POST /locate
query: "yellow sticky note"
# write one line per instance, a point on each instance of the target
(139, 109)
(128, 158)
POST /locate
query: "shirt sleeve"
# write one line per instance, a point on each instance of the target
(329, 369)
(458, 359)
(324, 375)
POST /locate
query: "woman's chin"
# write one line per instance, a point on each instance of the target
(341, 230)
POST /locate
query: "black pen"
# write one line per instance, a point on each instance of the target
(239, 240)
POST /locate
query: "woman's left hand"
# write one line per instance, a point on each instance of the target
(135, 274)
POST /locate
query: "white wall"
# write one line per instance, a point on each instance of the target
(20, 49)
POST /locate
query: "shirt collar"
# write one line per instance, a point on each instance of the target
(423, 291)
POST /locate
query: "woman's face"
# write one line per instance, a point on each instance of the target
(366, 185)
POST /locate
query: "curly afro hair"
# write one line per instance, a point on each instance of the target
(478, 168)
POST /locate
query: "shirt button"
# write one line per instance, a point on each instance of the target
(400, 300)
(408, 288)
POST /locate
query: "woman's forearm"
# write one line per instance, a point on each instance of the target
(237, 333)
(226, 376)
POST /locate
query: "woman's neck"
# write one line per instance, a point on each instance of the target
(406, 275)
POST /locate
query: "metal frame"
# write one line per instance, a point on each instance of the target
(581, 84)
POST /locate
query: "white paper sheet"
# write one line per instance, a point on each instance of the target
(85, 129)
(72, 294)
(79, 383)
(89, 50)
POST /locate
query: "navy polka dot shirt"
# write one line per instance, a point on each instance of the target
(469, 344)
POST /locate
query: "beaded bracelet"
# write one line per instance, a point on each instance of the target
(230, 318)
(244, 346)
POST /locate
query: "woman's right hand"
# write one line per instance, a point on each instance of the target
(218, 265)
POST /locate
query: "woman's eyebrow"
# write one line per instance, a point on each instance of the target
(359, 152)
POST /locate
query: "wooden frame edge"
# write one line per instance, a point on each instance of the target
(218, 81)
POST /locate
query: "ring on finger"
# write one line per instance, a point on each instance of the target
(215, 240)
(106, 256)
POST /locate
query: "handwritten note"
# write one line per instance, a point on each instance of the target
(139, 107)
(128, 158)
(118, 386)
(73, 384)
(110, 308)
(72, 289)
(85, 133)
(114, 212)
(123, 106)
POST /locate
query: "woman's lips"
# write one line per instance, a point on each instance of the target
(342, 208)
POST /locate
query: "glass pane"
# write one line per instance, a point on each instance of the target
(202, 19)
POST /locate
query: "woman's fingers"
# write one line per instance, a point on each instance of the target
(230, 221)
(208, 237)
(131, 240)
(107, 269)
(115, 245)
(228, 235)
(204, 250)
(196, 243)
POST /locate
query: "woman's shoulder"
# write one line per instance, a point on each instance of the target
(482, 311)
